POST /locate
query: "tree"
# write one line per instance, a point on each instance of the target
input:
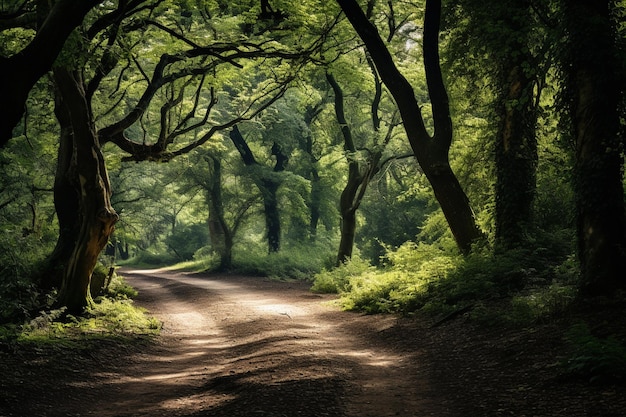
(361, 169)
(181, 71)
(19, 72)
(430, 151)
(228, 207)
(85, 185)
(505, 42)
(595, 83)
(267, 181)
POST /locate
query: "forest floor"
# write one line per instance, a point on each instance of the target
(240, 346)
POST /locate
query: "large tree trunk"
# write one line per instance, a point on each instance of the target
(594, 89)
(84, 185)
(431, 152)
(515, 155)
(516, 142)
(66, 201)
(350, 196)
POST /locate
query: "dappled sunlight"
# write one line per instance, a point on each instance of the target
(228, 346)
(371, 358)
(281, 309)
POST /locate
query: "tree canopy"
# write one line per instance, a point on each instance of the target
(416, 136)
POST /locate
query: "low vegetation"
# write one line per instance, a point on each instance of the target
(113, 315)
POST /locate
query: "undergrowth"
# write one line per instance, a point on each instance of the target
(299, 262)
(435, 279)
(112, 316)
(596, 359)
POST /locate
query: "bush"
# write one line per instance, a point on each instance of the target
(593, 358)
(187, 239)
(20, 258)
(437, 279)
(404, 284)
(300, 262)
(337, 280)
(106, 318)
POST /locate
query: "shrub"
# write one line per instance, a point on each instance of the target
(20, 258)
(436, 278)
(295, 262)
(595, 359)
(337, 280)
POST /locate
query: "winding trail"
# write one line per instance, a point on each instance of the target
(241, 346)
(236, 346)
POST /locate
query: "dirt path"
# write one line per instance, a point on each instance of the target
(251, 347)
(240, 346)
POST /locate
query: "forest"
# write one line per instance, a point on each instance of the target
(446, 159)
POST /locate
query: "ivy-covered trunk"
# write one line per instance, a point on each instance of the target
(516, 142)
(594, 79)
(82, 196)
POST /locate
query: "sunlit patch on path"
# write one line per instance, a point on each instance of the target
(231, 346)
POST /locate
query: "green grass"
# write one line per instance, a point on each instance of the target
(107, 319)
(112, 316)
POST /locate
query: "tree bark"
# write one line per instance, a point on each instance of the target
(349, 201)
(595, 98)
(515, 150)
(20, 72)
(431, 152)
(66, 200)
(85, 182)
(268, 184)
(221, 235)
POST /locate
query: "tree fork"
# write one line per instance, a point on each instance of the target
(431, 152)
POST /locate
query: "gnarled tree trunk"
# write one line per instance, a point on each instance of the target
(82, 196)
(268, 184)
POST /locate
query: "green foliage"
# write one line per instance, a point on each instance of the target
(404, 284)
(600, 360)
(185, 240)
(150, 259)
(118, 288)
(106, 319)
(301, 261)
(434, 278)
(536, 305)
(20, 258)
(337, 280)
